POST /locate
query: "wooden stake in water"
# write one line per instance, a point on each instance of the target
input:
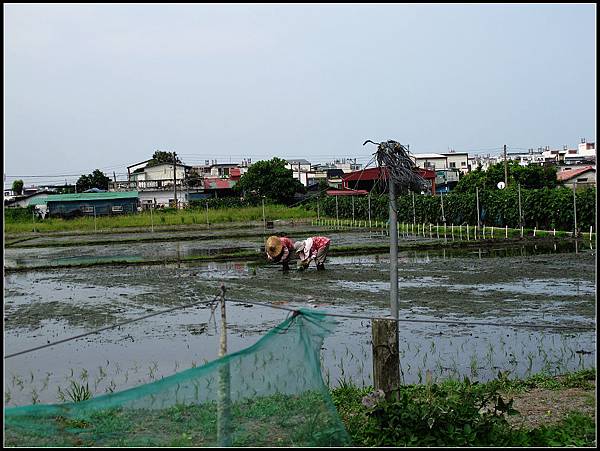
(224, 390)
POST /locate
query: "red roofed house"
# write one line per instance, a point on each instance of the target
(367, 178)
(584, 176)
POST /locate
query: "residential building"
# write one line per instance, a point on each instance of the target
(22, 201)
(446, 179)
(159, 185)
(301, 169)
(430, 161)
(483, 161)
(577, 178)
(457, 160)
(346, 164)
(368, 179)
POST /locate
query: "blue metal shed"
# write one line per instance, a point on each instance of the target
(90, 204)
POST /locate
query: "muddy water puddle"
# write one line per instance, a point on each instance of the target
(24, 257)
(518, 287)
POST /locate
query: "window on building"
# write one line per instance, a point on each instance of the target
(463, 163)
(87, 209)
(117, 208)
(453, 164)
(584, 179)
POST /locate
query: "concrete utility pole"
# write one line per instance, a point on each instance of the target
(575, 209)
(505, 168)
(520, 212)
(393, 250)
(175, 178)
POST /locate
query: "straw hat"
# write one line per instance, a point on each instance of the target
(273, 246)
(298, 246)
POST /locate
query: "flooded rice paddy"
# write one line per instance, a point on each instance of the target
(533, 284)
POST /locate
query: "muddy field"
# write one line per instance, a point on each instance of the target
(553, 285)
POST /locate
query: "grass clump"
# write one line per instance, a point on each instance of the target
(454, 413)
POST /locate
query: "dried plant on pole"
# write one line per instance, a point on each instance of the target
(395, 159)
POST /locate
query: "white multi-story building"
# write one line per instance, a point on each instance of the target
(483, 161)
(457, 160)
(443, 160)
(301, 169)
(430, 161)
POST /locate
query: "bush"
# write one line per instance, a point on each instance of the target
(19, 214)
(440, 415)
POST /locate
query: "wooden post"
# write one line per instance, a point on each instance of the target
(318, 217)
(337, 216)
(369, 198)
(264, 218)
(224, 390)
(207, 223)
(506, 231)
(478, 215)
(386, 358)
(95, 228)
(151, 218)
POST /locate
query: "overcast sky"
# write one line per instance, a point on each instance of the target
(104, 86)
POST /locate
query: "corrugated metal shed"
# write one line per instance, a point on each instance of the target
(92, 196)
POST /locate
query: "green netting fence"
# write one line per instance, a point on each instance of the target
(270, 394)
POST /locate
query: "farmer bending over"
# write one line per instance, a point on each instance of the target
(314, 248)
(280, 250)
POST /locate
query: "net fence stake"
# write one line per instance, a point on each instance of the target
(224, 391)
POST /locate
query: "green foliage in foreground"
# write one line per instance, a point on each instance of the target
(456, 413)
(276, 420)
